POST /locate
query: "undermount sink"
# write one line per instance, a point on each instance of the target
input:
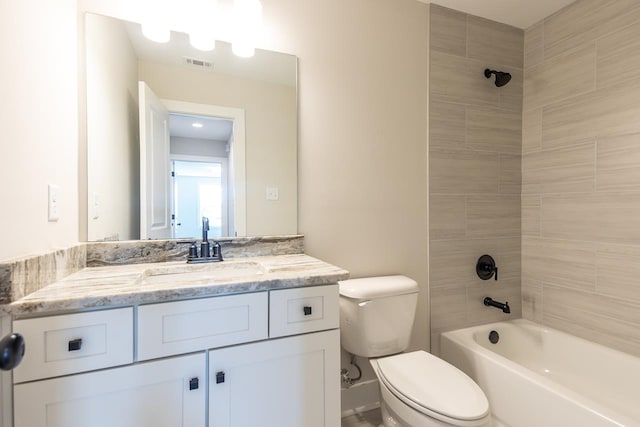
(202, 273)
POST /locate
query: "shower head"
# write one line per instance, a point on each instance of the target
(502, 78)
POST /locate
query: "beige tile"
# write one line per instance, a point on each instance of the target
(613, 315)
(478, 313)
(494, 130)
(452, 263)
(511, 94)
(534, 45)
(532, 300)
(596, 329)
(606, 112)
(448, 308)
(559, 78)
(493, 216)
(561, 262)
(510, 173)
(461, 80)
(463, 172)
(618, 56)
(448, 30)
(494, 42)
(371, 418)
(447, 125)
(532, 130)
(618, 163)
(585, 21)
(530, 215)
(569, 169)
(618, 269)
(446, 217)
(604, 217)
(568, 217)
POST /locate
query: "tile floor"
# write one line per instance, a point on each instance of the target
(366, 419)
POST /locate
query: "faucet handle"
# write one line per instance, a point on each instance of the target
(205, 223)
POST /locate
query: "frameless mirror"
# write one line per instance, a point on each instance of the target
(175, 134)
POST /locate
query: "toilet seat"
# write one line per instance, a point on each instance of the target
(433, 387)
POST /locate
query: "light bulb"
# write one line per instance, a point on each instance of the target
(202, 41)
(248, 23)
(156, 32)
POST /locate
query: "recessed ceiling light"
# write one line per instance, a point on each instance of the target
(197, 125)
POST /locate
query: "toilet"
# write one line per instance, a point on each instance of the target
(417, 389)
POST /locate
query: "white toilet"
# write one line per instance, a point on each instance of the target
(417, 389)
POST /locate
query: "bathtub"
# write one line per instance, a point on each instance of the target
(535, 376)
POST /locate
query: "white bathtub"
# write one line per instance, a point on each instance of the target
(540, 377)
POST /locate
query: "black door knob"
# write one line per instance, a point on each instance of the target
(11, 351)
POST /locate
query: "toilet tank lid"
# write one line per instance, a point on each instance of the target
(377, 287)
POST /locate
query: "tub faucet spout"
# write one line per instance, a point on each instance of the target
(489, 302)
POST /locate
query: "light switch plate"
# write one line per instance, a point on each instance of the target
(272, 193)
(54, 202)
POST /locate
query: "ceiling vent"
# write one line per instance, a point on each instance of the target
(198, 63)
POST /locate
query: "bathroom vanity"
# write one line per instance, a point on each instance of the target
(246, 342)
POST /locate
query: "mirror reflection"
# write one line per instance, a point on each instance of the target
(175, 134)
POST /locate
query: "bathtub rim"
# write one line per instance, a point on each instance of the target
(464, 338)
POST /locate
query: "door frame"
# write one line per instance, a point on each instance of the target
(237, 155)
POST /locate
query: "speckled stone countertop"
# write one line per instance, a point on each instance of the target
(115, 286)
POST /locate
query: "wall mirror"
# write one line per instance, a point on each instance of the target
(175, 134)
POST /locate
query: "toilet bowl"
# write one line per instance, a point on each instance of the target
(421, 390)
(417, 389)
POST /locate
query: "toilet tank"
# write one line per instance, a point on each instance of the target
(376, 314)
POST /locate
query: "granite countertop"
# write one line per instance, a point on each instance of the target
(115, 286)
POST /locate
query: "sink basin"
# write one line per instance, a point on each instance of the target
(221, 272)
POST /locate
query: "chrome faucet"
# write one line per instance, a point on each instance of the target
(208, 252)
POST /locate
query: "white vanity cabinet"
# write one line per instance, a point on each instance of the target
(154, 394)
(272, 358)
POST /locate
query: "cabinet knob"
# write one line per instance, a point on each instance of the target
(75, 345)
(219, 377)
(307, 310)
(194, 383)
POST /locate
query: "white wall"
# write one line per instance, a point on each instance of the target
(39, 122)
(112, 130)
(198, 147)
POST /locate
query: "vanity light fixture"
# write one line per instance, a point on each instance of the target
(197, 125)
(202, 41)
(202, 24)
(156, 32)
(248, 23)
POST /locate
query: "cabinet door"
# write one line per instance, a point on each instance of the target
(155, 394)
(288, 382)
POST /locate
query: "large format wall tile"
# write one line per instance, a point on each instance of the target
(494, 130)
(475, 156)
(618, 163)
(532, 130)
(493, 42)
(447, 123)
(463, 172)
(585, 21)
(530, 215)
(618, 57)
(569, 169)
(559, 78)
(448, 30)
(618, 269)
(534, 45)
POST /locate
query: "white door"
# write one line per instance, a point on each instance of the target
(155, 198)
(288, 382)
(154, 394)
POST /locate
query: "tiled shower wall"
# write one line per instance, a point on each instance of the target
(581, 172)
(475, 146)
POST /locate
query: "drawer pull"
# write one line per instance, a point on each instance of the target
(194, 383)
(219, 377)
(75, 345)
(307, 310)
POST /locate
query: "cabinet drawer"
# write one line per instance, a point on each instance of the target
(184, 326)
(61, 345)
(301, 310)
